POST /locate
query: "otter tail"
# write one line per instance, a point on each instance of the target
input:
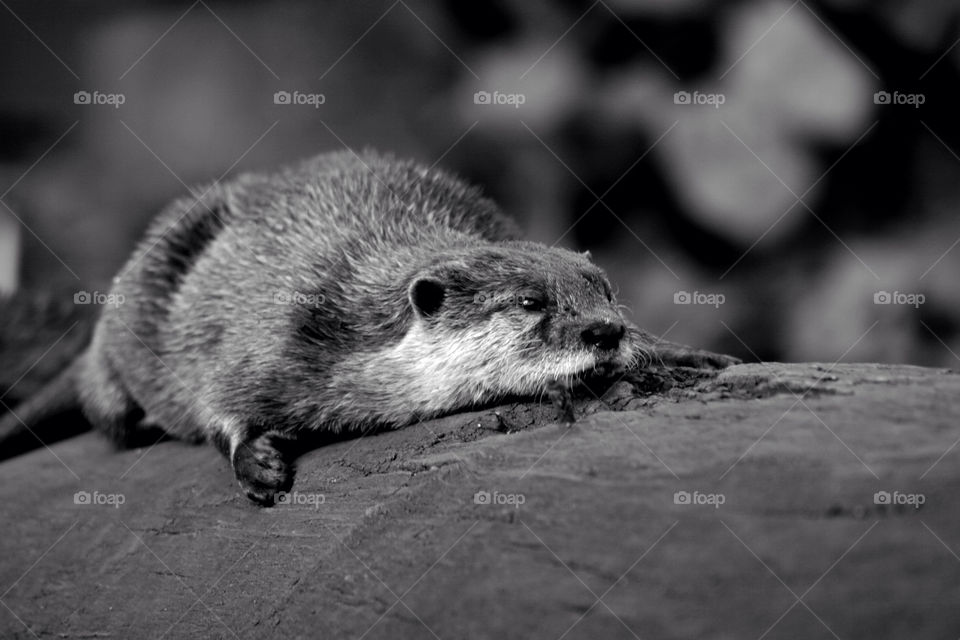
(51, 414)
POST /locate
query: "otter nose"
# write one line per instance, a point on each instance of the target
(603, 334)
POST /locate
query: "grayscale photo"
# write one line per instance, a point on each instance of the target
(552, 319)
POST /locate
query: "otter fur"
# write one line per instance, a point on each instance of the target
(344, 293)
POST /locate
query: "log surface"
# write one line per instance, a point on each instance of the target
(586, 533)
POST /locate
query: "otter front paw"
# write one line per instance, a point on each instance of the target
(562, 397)
(262, 468)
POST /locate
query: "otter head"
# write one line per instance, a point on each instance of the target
(515, 318)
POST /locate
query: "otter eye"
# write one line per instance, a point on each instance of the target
(529, 303)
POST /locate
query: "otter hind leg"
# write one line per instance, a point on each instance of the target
(107, 404)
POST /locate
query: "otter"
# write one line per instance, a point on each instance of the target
(347, 292)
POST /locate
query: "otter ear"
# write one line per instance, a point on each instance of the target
(426, 296)
(437, 284)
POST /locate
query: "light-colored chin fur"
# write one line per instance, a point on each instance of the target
(439, 370)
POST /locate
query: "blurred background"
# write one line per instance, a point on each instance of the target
(772, 179)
